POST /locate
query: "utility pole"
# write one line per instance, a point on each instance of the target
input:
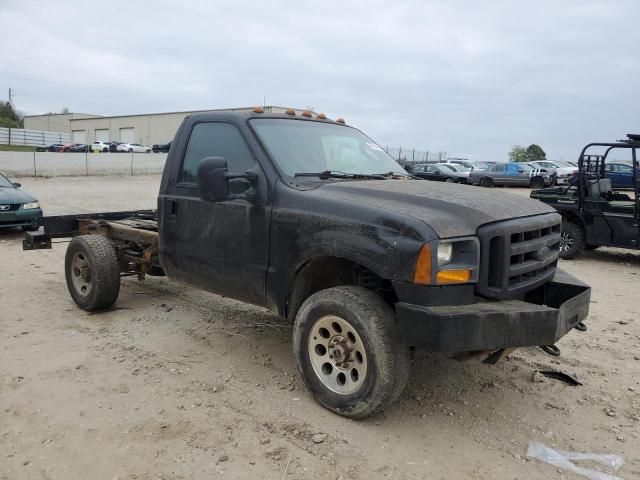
(11, 96)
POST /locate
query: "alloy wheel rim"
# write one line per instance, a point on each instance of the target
(337, 355)
(566, 242)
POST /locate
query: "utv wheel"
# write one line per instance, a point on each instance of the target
(537, 182)
(348, 351)
(571, 240)
(486, 182)
(92, 272)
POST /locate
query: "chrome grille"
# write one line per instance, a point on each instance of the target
(518, 255)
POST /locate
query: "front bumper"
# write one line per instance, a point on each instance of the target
(542, 317)
(20, 218)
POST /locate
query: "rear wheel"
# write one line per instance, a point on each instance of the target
(348, 351)
(486, 182)
(537, 182)
(92, 272)
(572, 241)
(449, 180)
(130, 150)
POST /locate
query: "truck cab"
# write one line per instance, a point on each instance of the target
(310, 218)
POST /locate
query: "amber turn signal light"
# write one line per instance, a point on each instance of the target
(454, 276)
(422, 273)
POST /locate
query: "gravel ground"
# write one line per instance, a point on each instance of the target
(179, 384)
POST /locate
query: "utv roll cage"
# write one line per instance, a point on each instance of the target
(591, 170)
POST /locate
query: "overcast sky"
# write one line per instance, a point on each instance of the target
(466, 77)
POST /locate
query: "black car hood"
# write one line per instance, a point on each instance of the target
(451, 210)
(13, 195)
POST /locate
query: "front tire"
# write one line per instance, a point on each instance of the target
(92, 272)
(348, 351)
(486, 182)
(572, 242)
(537, 183)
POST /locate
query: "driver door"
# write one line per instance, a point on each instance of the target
(221, 247)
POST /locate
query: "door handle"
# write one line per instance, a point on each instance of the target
(172, 209)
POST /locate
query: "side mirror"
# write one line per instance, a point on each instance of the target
(17, 185)
(213, 181)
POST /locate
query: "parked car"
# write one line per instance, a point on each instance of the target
(439, 172)
(510, 174)
(551, 171)
(470, 164)
(161, 147)
(98, 147)
(49, 148)
(17, 208)
(620, 174)
(113, 146)
(78, 147)
(133, 147)
(564, 171)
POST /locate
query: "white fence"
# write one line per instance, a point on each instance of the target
(46, 164)
(31, 138)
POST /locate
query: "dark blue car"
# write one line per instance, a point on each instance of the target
(621, 174)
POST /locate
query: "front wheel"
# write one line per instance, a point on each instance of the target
(537, 183)
(348, 351)
(92, 272)
(572, 241)
(486, 182)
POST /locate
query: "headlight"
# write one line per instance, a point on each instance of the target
(29, 206)
(445, 253)
(448, 261)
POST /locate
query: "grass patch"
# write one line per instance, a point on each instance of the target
(16, 148)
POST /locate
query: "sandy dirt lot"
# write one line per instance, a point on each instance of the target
(179, 384)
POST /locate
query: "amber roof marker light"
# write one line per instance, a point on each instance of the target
(290, 111)
(307, 113)
(321, 116)
(258, 110)
(340, 120)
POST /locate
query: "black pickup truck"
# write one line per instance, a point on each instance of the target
(312, 219)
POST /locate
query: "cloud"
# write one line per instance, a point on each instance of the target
(469, 78)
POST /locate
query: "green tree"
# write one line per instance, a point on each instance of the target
(535, 152)
(518, 154)
(65, 110)
(9, 118)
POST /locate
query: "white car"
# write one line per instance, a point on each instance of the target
(564, 171)
(132, 147)
(99, 147)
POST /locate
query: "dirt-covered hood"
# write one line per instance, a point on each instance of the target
(451, 210)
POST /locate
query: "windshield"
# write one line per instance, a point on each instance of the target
(448, 167)
(307, 146)
(4, 182)
(461, 168)
(525, 167)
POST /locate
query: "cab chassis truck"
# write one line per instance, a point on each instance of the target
(366, 264)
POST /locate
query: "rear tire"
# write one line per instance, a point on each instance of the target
(92, 272)
(537, 183)
(572, 242)
(486, 182)
(449, 180)
(349, 352)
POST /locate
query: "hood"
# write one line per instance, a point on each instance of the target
(566, 170)
(13, 195)
(451, 210)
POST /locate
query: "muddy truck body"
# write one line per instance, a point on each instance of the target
(310, 218)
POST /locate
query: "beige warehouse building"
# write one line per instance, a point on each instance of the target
(53, 122)
(146, 129)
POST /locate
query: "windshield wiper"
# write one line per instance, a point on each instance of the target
(335, 174)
